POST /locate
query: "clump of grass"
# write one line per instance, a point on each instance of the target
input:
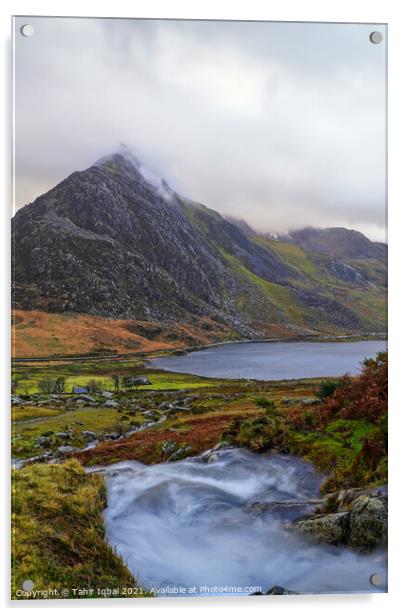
(22, 413)
(58, 537)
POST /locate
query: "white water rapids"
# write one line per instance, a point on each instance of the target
(187, 524)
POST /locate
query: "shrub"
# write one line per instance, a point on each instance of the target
(47, 386)
(60, 385)
(365, 396)
(327, 389)
(116, 382)
(269, 406)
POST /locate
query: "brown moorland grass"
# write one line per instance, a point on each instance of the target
(42, 334)
(199, 433)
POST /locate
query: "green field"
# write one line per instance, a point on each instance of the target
(27, 379)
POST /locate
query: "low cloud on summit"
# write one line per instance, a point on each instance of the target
(280, 124)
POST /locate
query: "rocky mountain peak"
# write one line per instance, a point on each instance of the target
(125, 161)
(116, 241)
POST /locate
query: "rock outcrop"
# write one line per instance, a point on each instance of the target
(359, 519)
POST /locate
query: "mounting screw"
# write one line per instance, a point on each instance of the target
(376, 37)
(27, 30)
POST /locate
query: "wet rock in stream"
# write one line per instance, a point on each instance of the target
(359, 519)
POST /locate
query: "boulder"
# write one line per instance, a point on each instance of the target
(63, 435)
(222, 445)
(368, 525)
(65, 449)
(176, 407)
(310, 401)
(89, 435)
(357, 517)
(107, 394)
(111, 403)
(287, 511)
(181, 453)
(211, 454)
(288, 401)
(140, 380)
(329, 528)
(111, 436)
(280, 590)
(168, 447)
(86, 398)
(44, 441)
(276, 590)
(347, 498)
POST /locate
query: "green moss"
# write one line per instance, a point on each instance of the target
(342, 449)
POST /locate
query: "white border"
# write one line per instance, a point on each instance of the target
(381, 11)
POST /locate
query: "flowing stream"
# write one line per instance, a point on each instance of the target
(188, 527)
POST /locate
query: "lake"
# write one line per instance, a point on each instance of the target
(273, 360)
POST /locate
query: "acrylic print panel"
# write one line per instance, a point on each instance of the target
(199, 373)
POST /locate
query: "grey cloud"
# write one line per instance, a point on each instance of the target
(281, 124)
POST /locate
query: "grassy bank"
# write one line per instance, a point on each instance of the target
(344, 434)
(58, 533)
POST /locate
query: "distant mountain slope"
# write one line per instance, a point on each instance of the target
(337, 242)
(345, 247)
(115, 241)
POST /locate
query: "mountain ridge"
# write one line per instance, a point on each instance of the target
(115, 241)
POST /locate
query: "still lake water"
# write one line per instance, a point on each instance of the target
(274, 360)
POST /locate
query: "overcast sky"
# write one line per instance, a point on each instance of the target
(280, 124)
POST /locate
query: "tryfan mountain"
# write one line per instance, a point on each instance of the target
(115, 245)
